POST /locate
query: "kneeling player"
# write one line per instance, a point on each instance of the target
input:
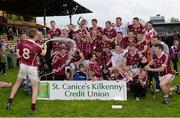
(162, 62)
(28, 53)
(95, 72)
(139, 84)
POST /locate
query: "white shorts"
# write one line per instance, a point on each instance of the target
(171, 76)
(30, 72)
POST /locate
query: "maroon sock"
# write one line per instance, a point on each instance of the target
(33, 107)
(10, 100)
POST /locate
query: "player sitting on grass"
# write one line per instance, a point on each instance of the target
(139, 84)
(28, 53)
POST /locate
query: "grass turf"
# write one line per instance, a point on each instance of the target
(145, 108)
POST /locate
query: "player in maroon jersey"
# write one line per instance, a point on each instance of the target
(118, 39)
(139, 84)
(107, 55)
(96, 40)
(95, 72)
(162, 62)
(59, 63)
(127, 40)
(22, 36)
(107, 63)
(142, 44)
(99, 54)
(64, 33)
(133, 59)
(110, 32)
(117, 75)
(84, 44)
(86, 49)
(55, 48)
(105, 42)
(95, 27)
(78, 57)
(28, 52)
(53, 32)
(83, 27)
(77, 39)
(40, 37)
(136, 27)
(71, 31)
